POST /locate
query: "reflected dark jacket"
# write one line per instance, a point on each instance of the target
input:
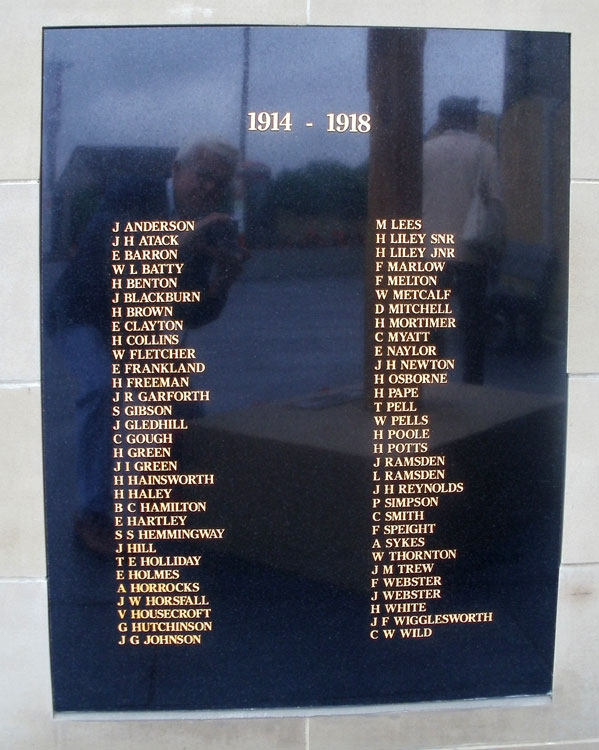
(83, 293)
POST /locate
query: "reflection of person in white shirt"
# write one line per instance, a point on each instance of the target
(462, 196)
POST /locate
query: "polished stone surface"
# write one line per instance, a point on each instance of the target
(287, 430)
(21, 53)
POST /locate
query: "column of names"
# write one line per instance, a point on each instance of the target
(412, 307)
(156, 504)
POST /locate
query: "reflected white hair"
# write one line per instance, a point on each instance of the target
(190, 149)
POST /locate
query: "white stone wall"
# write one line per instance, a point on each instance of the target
(571, 719)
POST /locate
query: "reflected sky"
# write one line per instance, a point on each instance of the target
(158, 86)
(459, 62)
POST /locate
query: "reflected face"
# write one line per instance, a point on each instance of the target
(200, 183)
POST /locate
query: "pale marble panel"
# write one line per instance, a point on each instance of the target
(26, 719)
(581, 511)
(19, 283)
(591, 744)
(21, 45)
(22, 548)
(25, 702)
(570, 718)
(583, 320)
(233, 734)
(551, 15)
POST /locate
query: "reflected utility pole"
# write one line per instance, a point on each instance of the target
(245, 82)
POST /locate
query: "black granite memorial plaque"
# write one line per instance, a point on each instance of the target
(304, 332)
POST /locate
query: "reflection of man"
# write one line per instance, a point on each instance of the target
(198, 189)
(462, 196)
